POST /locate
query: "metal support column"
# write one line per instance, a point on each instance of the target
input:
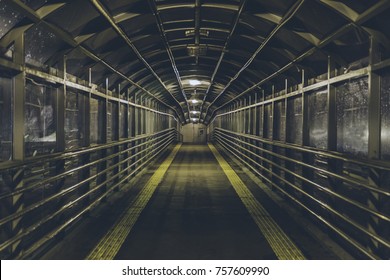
(18, 151)
(307, 158)
(374, 200)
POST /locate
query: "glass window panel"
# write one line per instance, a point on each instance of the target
(5, 119)
(96, 123)
(131, 121)
(260, 120)
(138, 121)
(109, 121)
(122, 119)
(74, 121)
(34, 4)
(253, 121)
(352, 117)
(318, 118)
(41, 44)
(113, 121)
(385, 115)
(40, 122)
(8, 18)
(294, 120)
(77, 63)
(280, 120)
(76, 14)
(268, 116)
(247, 131)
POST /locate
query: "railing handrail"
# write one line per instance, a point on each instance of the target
(74, 153)
(244, 153)
(379, 164)
(153, 144)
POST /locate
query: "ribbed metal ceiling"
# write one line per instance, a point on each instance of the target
(159, 47)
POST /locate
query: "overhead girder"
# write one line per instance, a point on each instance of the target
(160, 63)
(268, 40)
(373, 11)
(103, 11)
(35, 17)
(286, 17)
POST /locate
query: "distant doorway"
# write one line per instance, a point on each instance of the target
(194, 133)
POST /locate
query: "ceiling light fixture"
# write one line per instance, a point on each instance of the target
(197, 50)
(194, 82)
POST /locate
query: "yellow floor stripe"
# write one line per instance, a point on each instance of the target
(280, 243)
(110, 244)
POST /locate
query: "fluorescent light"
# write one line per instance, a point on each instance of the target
(194, 120)
(194, 101)
(195, 112)
(194, 82)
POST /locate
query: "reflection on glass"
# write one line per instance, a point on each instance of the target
(260, 122)
(8, 18)
(268, 116)
(34, 4)
(122, 120)
(385, 115)
(41, 44)
(280, 120)
(352, 117)
(318, 118)
(112, 122)
(294, 120)
(109, 121)
(5, 119)
(96, 123)
(73, 120)
(40, 124)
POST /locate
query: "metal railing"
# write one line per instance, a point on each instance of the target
(350, 197)
(41, 197)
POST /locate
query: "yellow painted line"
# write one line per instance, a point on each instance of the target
(280, 243)
(110, 244)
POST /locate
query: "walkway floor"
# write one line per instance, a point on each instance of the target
(194, 213)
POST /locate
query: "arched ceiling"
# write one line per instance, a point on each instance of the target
(157, 47)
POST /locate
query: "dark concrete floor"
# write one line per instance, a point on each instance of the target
(193, 214)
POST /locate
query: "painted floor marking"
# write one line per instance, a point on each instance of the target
(111, 243)
(280, 243)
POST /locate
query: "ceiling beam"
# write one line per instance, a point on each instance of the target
(68, 39)
(160, 27)
(361, 19)
(289, 14)
(223, 51)
(103, 11)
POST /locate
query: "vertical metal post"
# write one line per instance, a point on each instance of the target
(334, 165)
(332, 112)
(19, 92)
(102, 177)
(115, 131)
(374, 201)
(374, 106)
(132, 129)
(18, 149)
(60, 103)
(285, 112)
(85, 106)
(307, 158)
(137, 129)
(89, 77)
(289, 131)
(60, 108)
